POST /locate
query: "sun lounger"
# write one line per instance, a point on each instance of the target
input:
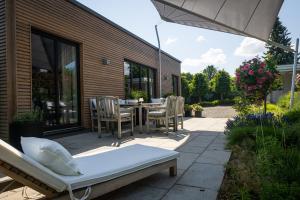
(102, 172)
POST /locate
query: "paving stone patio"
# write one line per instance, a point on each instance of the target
(200, 165)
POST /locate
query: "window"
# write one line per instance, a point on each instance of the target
(139, 77)
(175, 85)
(55, 85)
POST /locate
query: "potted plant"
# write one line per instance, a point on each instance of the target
(137, 96)
(197, 109)
(187, 110)
(28, 124)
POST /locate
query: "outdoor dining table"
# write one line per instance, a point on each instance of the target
(140, 107)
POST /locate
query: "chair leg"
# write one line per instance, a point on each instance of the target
(99, 129)
(147, 124)
(93, 125)
(181, 122)
(167, 124)
(119, 129)
(132, 125)
(173, 171)
(174, 124)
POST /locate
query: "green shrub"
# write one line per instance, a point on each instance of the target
(271, 108)
(225, 102)
(136, 94)
(196, 107)
(168, 94)
(284, 101)
(279, 191)
(27, 117)
(292, 116)
(187, 107)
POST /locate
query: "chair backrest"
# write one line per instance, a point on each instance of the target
(16, 164)
(171, 105)
(122, 101)
(180, 105)
(158, 100)
(108, 107)
(92, 104)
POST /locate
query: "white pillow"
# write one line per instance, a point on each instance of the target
(50, 154)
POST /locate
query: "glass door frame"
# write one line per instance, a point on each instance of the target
(56, 40)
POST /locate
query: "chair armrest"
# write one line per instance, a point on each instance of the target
(156, 108)
(129, 109)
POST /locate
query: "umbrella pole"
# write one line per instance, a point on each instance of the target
(159, 60)
(294, 73)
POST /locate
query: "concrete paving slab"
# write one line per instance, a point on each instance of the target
(214, 157)
(191, 149)
(207, 176)
(218, 147)
(161, 180)
(181, 192)
(135, 192)
(185, 160)
(199, 143)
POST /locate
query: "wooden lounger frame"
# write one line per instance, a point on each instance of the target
(97, 190)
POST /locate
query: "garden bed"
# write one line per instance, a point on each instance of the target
(265, 160)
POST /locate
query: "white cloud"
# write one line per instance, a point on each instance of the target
(250, 47)
(170, 40)
(211, 57)
(200, 38)
(293, 46)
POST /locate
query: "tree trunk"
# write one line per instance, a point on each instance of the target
(265, 104)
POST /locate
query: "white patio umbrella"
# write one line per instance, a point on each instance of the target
(251, 18)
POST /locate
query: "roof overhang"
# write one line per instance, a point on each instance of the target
(287, 68)
(251, 18)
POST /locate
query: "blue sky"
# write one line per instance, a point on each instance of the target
(195, 47)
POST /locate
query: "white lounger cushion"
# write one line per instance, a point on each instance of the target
(96, 168)
(51, 154)
(24, 163)
(112, 164)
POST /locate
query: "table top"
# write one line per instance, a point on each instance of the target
(142, 105)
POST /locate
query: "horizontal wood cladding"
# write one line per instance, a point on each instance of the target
(167, 71)
(97, 38)
(3, 74)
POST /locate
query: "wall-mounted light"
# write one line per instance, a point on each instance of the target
(105, 61)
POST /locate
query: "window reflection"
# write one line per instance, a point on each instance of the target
(139, 77)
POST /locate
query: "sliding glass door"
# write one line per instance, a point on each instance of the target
(139, 77)
(55, 78)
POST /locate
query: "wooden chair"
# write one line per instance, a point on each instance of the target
(108, 110)
(163, 113)
(180, 111)
(93, 112)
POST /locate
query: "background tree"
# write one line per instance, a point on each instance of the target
(222, 85)
(188, 76)
(210, 71)
(185, 88)
(199, 86)
(280, 35)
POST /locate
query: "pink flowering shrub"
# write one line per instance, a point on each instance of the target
(254, 79)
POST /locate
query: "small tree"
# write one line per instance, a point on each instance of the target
(199, 86)
(222, 83)
(255, 79)
(185, 88)
(210, 71)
